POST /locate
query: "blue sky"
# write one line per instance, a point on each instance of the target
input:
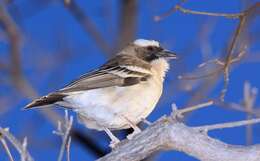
(55, 50)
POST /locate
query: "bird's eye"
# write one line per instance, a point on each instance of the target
(150, 48)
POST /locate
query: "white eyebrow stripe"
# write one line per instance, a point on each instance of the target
(144, 43)
(136, 69)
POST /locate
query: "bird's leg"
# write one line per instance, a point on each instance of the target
(134, 126)
(114, 140)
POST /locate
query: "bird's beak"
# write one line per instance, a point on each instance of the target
(167, 54)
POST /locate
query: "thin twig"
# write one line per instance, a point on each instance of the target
(249, 101)
(87, 25)
(227, 125)
(216, 71)
(178, 7)
(64, 130)
(226, 15)
(206, 75)
(6, 148)
(228, 59)
(168, 13)
(178, 113)
(237, 107)
(243, 16)
(19, 146)
(68, 148)
(244, 19)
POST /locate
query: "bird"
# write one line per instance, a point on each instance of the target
(119, 94)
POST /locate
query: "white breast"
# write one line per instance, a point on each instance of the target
(112, 107)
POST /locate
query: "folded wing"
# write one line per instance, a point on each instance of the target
(123, 70)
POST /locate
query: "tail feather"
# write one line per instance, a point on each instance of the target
(46, 100)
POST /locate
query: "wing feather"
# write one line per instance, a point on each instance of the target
(123, 70)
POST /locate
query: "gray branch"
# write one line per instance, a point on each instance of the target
(169, 134)
(19, 146)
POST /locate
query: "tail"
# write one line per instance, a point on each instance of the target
(46, 100)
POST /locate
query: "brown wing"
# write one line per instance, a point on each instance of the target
(116, 72)
(123, 70)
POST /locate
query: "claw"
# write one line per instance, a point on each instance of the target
(114, 143)
(135, 127)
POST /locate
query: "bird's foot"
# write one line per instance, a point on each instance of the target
(114, 143)
(134, 126)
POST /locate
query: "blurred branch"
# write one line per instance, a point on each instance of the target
(9, 26)
(63, 130)
(217, 62)
(6, 148)
(168, 13)
(229, 56)
(244, 18)
(20, 147)
(169, 134)
(238, 107)
(87, 24)
(244, 21)
(19, 81)
(179, 113)
(250, 94)
(228, 125)
(16, 74)
(227, 15)
(178, 7)
(127, 23)
(68, 148)
(247, 106)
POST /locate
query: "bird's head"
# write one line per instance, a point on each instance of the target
(150, 50)
(152, 53)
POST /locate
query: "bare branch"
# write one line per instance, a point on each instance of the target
(20, 147)
(228, 58)
(14, 37)
(206, 75)
(87, 24)
(238, 107)
(168, 13)
(64, 130)
(19, 81)
(169, 134)
(226, 15)
(228, 125)
(244, 18)
(6, 148)
(68, 148)
(127, 23)
(179, 113)
(249, 101)
(178, 7)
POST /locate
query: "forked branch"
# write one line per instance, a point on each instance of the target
(169, 134)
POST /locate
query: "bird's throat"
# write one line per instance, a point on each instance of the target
(160, 67)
